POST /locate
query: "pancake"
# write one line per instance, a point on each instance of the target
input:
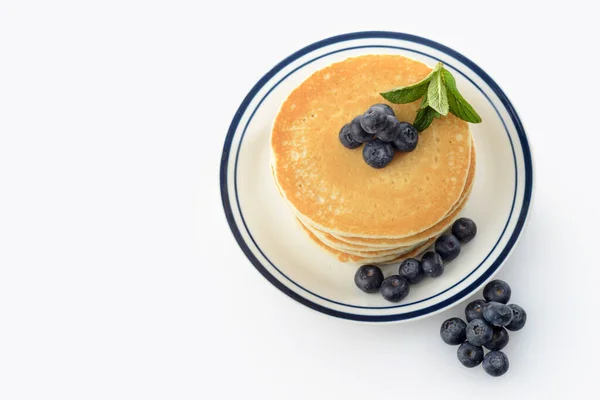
(343, 243)
(434, 230)
(332, 187)
(333, 241)
(413, 254)
(344, 257)
(369, 252)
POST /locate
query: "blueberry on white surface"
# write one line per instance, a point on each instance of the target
(453, 331)
(495, 363)
(479, 332)
(497, 290)
(470, 356)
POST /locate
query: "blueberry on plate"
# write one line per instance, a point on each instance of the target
(378, 154)
(432, 264)
(394, 288)
(470, 356)
(499, 339)
(497, 313)
(453, 331)
(519, 318)
(358, 133)
(497, 290)
(474, 310)
(368, 278)
(495, 363)
(387, 109)
(374, 120)
(346, 139)
(411, 270)
(447, 246)
(479, 332)
(407, 138)
(464, 229)
(391, 130)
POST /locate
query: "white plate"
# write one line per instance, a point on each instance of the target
(267, 232)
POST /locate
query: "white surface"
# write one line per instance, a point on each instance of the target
(119, 277)
(269, 228)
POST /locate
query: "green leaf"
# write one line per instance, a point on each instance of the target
(410, 93)
(425, 104)
(457, 104)
(406, 94)
(437, 94)
(424, 118)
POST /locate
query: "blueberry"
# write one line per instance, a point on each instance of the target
(497, 290)
(358, 133)
(519, 318)
(411, 270)
(391, 131)
(448, 247)
(474, 310)
(387, 109)
(495, 363)
(378, 154)
(470, 356)
(374, 120)
(453, 331)
(395, 288)
(432, 264)
(497, 313)
(368, 278)
(346, 139)
(407, 138)
(464, 229)
(479, 332)
(499, 339)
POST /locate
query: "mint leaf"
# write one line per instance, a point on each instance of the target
(437, 94)
(462, 109)
(457, 104)
(406, 94)
(424, 118)
(410, 93)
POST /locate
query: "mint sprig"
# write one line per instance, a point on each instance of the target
(440, 96)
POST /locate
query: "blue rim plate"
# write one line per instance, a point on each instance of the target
(271, 239)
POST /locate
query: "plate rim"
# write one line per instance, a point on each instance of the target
(416, 314)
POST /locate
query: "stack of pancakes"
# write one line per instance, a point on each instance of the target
(354, 211)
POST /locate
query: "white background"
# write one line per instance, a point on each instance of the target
(119, 277)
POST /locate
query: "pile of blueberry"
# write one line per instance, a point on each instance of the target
(369, 278)
(383, 134)
(488, 321)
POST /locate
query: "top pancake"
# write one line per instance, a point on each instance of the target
(333, 187)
